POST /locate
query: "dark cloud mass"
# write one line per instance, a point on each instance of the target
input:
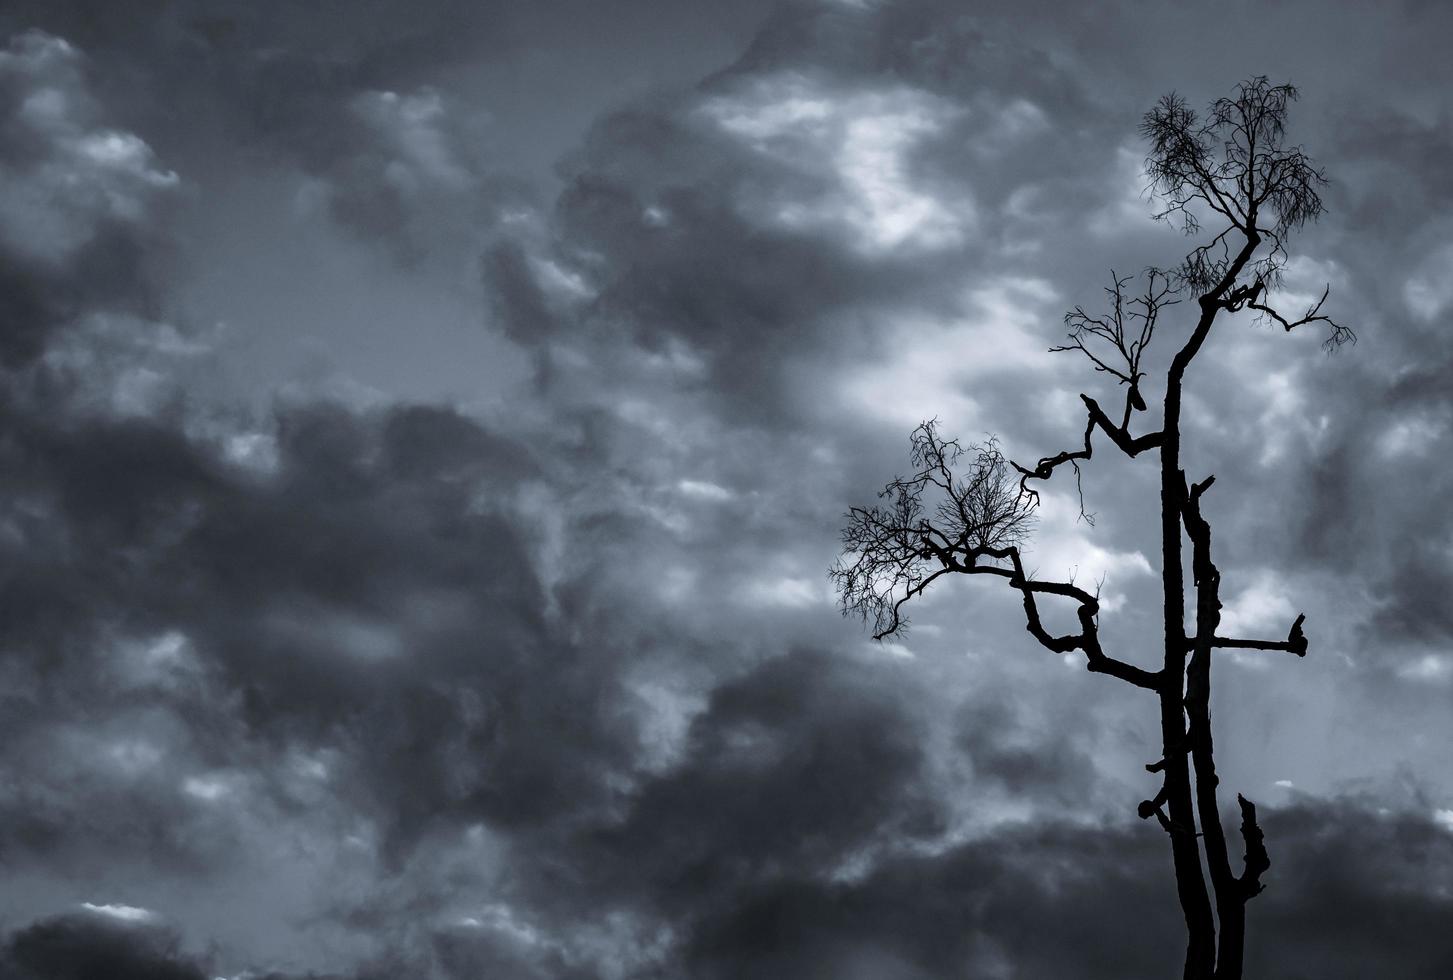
(72, 947)
(424, 429)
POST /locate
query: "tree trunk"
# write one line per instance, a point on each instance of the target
(1190, 885)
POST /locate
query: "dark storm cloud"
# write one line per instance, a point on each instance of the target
(1379, 507)
(81, 945)
(1031, 760)
(790, 770)
(345, 92)
(1056, 900)
(275, 70)
(806, 776)
(367, 596)
(550, 690)
(190, 607)
(1041, 901)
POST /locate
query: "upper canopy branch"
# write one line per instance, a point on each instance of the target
(1233, 163)
(1114, 343)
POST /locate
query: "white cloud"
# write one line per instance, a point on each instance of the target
(1261, 610)
(1128, 210)
(209, 789)
(412, 127)
(165, 660)
(1430, 667)
(930, 363)
(1428, 292)
(704, 490)
(79, 174)
(133, 755)
(254, 451)
(122, 913)
(1063, 547)
(896, 649)
(1413, 435)
(666, 708)
(866, 139)
(785, 591)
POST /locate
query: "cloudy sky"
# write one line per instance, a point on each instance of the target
(425, 428)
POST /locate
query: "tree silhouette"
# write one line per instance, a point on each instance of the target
(968, 510)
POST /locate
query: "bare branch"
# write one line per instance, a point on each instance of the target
(1296, 641)
(1130, 445)
(1337, 334)
(892, 554)
(1115, 342)
(1237, 165)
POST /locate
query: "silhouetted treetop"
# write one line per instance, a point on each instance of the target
(1235, 164)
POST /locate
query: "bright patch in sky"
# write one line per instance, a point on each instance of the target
(1128, 207)
(1412, 435)
(207, 788)
(786, 591)
(255, 451)
(704, 490)
(1429, 291)
(929, 365)
(868, 138)
(123, 913)
(412, 125)
(1064, 548)
(1261, 610)
(89, 175)
(1429, 667)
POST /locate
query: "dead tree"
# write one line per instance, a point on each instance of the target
(967, 511)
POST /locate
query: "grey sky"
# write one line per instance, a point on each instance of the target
(425, 428)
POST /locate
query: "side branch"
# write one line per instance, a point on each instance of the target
(1337, 333)
(893, 552)
(1252, 295)
(1088, 639)
(1296, 641)
(1131, 446)
(1256, 862)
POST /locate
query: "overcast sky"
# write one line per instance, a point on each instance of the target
(425, 429)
